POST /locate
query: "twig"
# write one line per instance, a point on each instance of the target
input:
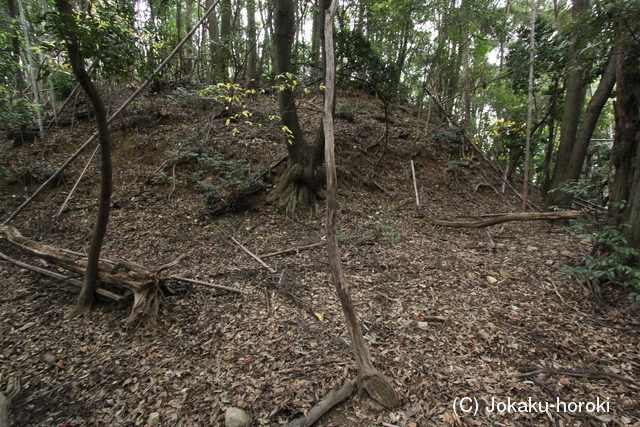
(209, 285)
(300, 248)
(578, 373)
(490, 239)
(256, 257)
(78, 181)
(415, 185)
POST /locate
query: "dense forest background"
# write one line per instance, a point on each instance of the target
(208, 114)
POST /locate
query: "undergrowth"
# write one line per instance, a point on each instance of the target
(609, 260)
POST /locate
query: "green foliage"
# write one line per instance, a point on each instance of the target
(106, 30)
(608, 261)
(356, 56)
(550, 57)
(15, 110)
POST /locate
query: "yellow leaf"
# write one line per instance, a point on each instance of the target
(318, 315)
(227, 122)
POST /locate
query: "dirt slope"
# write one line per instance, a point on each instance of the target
(280, 347)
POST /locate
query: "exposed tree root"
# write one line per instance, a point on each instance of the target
(297, 191)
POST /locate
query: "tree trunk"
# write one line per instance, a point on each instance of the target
(576, 90)
(15, 45)
(624, 183)
(298, 186)
(573, 168)
(252, 47)
(225, 39)
(87, 294)
(214, 45)
(188, 21)
(376, 384)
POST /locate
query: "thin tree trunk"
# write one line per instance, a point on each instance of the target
(527, 156)
(214, 45)
(188, 18)
(252, 47)
(225, 39)
(32, 69)
(87, 294)
(376, 384)
(15, 45)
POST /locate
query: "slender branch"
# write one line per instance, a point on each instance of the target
(207, 284)
(299, 248)
(254, 256)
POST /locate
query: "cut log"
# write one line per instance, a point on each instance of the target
(528, 216)
(142, 282)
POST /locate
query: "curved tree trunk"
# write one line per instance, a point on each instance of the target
(87, 294)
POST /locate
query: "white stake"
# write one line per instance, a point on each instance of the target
(415, 185)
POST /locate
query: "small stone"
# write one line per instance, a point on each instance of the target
(491, 280)
(154, 419)
(236, 417)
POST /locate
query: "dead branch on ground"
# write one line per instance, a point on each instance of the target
(579, 373)
(332, 399)
(58, 276)
(254, 256)
(299, 248)
(143, 282)
(527, 216)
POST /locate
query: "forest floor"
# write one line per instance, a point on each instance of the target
(282, 345)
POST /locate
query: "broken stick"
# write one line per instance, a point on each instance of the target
(300, 248)
(256, 257)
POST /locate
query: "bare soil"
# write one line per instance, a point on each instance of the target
(278, 348)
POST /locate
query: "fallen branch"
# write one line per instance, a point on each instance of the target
(58, 276)
(256, 257)
(299, 248)
(332, 399)
(579, 373)
(207, 284)
(142, 282)
(527, 216)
